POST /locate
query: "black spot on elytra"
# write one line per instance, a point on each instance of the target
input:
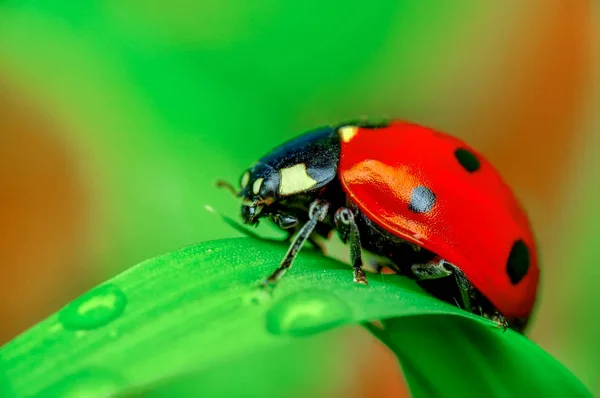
(517, 265)
(421, 200)
(467, 160)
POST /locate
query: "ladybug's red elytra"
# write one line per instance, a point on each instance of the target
(425, 203)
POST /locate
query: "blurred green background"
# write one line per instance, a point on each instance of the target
(117, 117)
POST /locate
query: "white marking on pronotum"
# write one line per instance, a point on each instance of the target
(348, 132)
(257, 185)
(295, 179)
(245, 179)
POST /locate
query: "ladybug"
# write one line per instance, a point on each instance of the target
(414, 200)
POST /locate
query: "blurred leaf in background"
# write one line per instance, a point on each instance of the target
(150, 102)
(42, 208)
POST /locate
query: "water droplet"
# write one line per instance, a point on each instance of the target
(94, 309)
(87, 383)
(306, 313)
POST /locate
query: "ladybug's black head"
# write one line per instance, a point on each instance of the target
(298, 167)
(258, 188)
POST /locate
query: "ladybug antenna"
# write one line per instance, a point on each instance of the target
(228, 186)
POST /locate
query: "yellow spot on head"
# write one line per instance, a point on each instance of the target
(245, 179)
(348, 132)
(295, 179)
(256, 186)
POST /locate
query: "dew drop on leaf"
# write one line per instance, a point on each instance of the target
(94, 309)
(305, 313)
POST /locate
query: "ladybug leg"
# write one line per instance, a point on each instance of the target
(316, 213)
(464, 286)
(348, 230)
(435, 269)
(284, 221)
(440, 268)
(289, 223)
(313, 239)
(500, 320)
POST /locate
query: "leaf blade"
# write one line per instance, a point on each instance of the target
(197, 307)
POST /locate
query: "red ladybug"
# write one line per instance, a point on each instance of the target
(424, 203)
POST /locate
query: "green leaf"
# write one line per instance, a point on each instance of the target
(449, 354)
(199, 307)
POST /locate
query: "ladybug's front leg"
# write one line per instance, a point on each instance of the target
(317, 213)
(289, 223)
(348, 230)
